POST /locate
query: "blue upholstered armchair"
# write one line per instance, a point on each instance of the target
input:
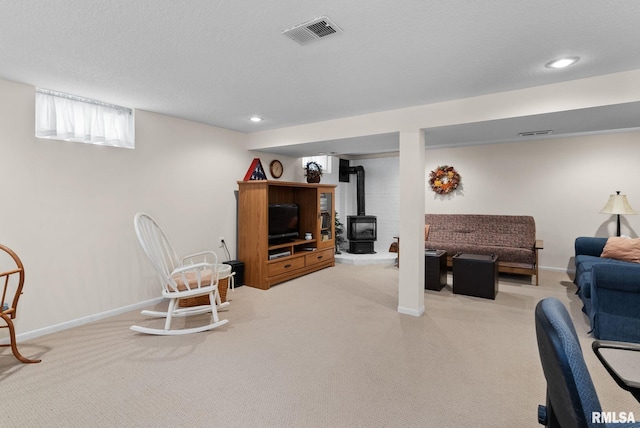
(609, 290)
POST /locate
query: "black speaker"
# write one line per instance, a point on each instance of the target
(238, 267)
(343, 172)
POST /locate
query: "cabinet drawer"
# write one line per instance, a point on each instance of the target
(276, 268)
(318, 257)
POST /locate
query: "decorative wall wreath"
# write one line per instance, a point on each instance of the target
(444, 179)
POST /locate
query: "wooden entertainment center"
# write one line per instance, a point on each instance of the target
(297, 256)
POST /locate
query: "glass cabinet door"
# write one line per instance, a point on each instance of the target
(326, 218)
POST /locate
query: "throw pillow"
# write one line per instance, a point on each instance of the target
(624, 249)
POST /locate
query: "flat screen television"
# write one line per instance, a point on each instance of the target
(283, 222)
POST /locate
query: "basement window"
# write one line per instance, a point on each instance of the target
(61, 116)
(322, 160)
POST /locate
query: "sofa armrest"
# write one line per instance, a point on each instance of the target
(618, 277)
(589, 246)
(539, 244)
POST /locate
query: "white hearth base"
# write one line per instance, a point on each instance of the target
(379, 258)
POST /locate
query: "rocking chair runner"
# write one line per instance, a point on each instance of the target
(192, 276)
(9, 309)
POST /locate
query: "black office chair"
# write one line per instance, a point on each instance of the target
(571, 395)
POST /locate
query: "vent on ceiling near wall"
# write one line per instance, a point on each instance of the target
(312, 30)
(534, 133)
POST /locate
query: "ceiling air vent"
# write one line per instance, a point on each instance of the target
(535, 133)
(312, 30)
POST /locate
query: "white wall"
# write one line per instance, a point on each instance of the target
(68, 207)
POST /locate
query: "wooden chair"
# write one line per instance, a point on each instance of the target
(9, 308)
(192, 276)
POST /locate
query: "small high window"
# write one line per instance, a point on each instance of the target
(323, 160)
(61, 116)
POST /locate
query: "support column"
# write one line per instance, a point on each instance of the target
(412, 203)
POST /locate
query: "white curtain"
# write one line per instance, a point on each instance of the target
(66, 117)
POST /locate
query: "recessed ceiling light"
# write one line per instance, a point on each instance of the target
(255, 119)
(562, 62)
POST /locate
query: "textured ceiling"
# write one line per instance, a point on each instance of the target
(219, 62)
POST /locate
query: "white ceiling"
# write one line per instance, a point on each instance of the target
(219, 62)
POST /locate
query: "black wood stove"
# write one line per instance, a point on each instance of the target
(361, 229)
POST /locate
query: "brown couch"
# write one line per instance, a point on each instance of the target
(512, 238)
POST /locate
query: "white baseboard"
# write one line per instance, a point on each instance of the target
(413, 312)
(556, 269)
(79, 321)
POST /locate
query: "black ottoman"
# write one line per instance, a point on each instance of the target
(475, 275)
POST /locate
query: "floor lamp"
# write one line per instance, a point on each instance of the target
(618, 204)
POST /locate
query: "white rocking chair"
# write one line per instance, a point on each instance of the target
(192, 276)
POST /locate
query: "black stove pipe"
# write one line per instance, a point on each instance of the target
(359, 171)
(345, 171)
(359, 189)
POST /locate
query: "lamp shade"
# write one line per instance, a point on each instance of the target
(617, 204)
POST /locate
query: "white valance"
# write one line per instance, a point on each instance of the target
(66, 117)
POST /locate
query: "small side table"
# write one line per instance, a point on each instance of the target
(435, 269)
(475, 275)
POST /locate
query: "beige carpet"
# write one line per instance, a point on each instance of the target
(325, 350)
